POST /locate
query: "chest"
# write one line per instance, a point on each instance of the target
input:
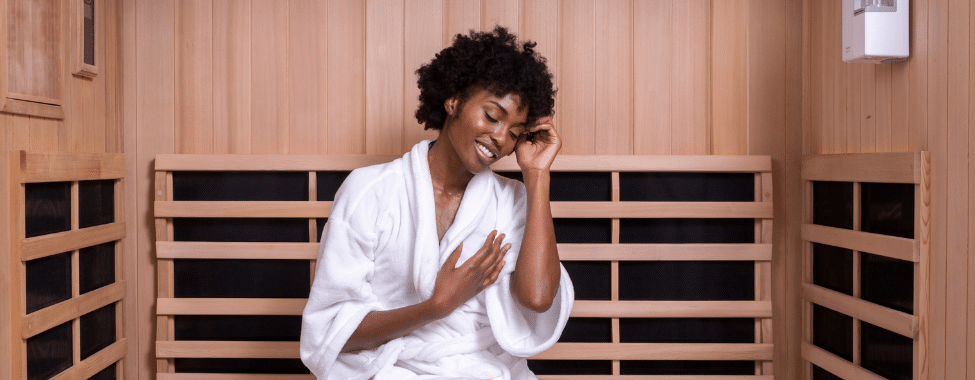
(447, 205)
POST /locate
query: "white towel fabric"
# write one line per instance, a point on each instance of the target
(380, 251)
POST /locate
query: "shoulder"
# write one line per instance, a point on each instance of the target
(366, 187)
(512, 189)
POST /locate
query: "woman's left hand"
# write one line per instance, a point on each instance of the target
(540, 152)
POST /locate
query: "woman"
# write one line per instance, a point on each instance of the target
(431, 266)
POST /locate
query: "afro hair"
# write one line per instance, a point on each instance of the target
(494, 61)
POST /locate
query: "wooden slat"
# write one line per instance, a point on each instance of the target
(890, 319)
(563, 163)
(888, 246)
(874, 167)
(46, 318)
(17, 106)
(668, 252)
(95, 363)
(46, 245)
(288, 209)
(208, 250)
(226, 349)
(246, 209)
(568, 252)
(230, 306)
(657, 351)
(661, 209)
(653, 377)
(672, 309)
(835, 364)
(54, 167)
(226, 376)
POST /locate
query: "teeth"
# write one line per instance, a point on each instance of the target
(485, 150)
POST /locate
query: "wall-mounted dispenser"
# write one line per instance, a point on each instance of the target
(876, 31)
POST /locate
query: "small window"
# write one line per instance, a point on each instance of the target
(48, 281)
(833, 204)
(96, 266)
(833, 332)
(47, 208)
(96, 203)
(49, 353)
(833, 268)
(97, 330)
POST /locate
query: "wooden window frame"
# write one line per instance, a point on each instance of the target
(907, 168)
(62, 167)
(77, 15)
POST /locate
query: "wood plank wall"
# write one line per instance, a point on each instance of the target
(336, 77)
(92, 124)
(922, 104)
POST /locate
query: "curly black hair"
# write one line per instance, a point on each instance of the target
(494, 61)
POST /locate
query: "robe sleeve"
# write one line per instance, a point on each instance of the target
(341, 294)
(519, 330)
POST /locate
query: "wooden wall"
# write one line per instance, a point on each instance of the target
(922, 104)
(92, 123)
(336, 77)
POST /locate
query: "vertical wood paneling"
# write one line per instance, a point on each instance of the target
(970, 370)
(868, 107)
(194, 76)
(155, 126)
(956, 121)
(729, 93)
(384, 76)
(653, 81)
(306, 77)
(346, 77)
(231, 76)
(812, 133)
(614, 86)
(854, 107)
(540, 23)
(424, 29)
(6, 316)
(139, 323)
(840, 80)
(937, 105)
(460, 16)
(899, 98)
(682, 135)
(577, 80)
(269, 77)
(882, 113)
(786, 259)
(501, 12)
(917, 106)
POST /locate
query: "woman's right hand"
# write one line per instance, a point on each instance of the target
(454, 286)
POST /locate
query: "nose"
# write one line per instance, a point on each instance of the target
(501, 136)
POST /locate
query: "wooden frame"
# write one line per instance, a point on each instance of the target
(77, 15)
(28, 168)
(18, 102)
(910, 168)
(760, 309)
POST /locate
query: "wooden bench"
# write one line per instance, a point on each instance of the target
(613, 351)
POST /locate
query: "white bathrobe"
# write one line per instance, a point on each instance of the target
(380, 251)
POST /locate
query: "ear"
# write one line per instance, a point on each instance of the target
(451, 105)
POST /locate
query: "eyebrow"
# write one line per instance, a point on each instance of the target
(499, 106)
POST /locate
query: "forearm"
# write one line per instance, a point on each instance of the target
(536, 277)
(380, 327)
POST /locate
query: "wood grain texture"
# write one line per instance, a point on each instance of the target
(194, 76)
(384, 76)
(306, 72)
(576, 111)
(460, 17)
(346, 77)
(231, 76)
(938, 142)
(729, 75)
(424, 28)
(614, 83)
(270, 101)
(652, 83)
(957, 134)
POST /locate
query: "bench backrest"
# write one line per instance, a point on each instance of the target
(658, 247)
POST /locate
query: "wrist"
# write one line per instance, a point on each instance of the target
(536, 174)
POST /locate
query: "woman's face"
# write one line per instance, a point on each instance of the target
(484, 128)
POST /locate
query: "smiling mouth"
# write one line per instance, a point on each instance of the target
(487, 152)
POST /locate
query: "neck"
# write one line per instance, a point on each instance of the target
(446, 170)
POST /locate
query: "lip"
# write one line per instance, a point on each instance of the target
(490, 149)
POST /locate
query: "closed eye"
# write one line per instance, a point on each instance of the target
(491, 119)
